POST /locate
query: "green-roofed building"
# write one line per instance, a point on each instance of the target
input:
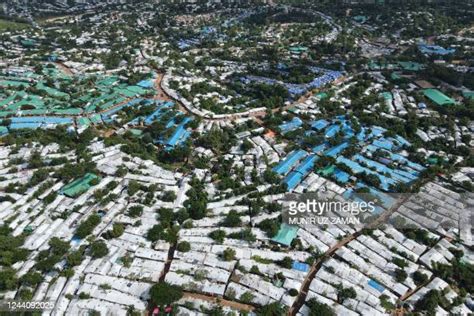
(386, 95)
(468, 94)
(52, 92)
(7, 100)
(29, 229)
(6, 113)
(438, 97)
(135, 90)
(395, 76)
(68, 111)
(3, 130)
(112, 103)
(286, 234)
(298, 49)
(360, 18)
(108, 81)
(328, 171)
(13, 84)
(321, 96)
(83, 121)
(127, 93)
(136, 132)
(411, 66)
(78, 186)
(96, 119)
(28, 43)
(90, 109)
(373, 65)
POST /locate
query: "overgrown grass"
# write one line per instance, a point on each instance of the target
(6, 25)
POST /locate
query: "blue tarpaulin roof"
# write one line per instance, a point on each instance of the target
(332, 130)
(376, 285)
(319, 125)
(284, 166)
(333, 152)
(293, 179)
(307, 165)
(295, 123)
(300, 266)
(147, 84)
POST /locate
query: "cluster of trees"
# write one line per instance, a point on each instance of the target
(319, 309)
(147, 199)
(196, 204)
(458, 273)
(135, 211)
(450, 76)
(10, 253)
(345, 293)
(228, 254)
(163, 294)
(47, 259)
(232, 219)
(98, 249)
(430, 302)
(218, 140)
(270, 226)
(218, 235)
(117, 230)
(167, 229)
(86, 227)
(419, 235)
(272, 309)
(244, 234)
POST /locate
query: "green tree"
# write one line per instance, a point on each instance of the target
(58, 246)
(270, 227)
(273, 309)
(116, 231)
(87, 226)
(133, 187)
(196, 204)
(99, 249)
(228, 254)
(31, 279)
(168, 196)
(232, 219)
(218, 235)
(74, 258)
(135, 211)
(400, 275)
(8, 279)
(286, 262)
(183, 246)
(319, 309)
(419, 278)
(164, 294)
(345, 293)
(429, 303)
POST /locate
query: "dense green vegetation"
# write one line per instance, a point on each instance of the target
(8, 25)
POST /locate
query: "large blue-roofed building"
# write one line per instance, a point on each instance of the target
(290, 161)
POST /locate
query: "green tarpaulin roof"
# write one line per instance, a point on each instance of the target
(78, 186)
(438, 97)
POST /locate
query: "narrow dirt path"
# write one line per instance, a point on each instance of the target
(168, 262)
(220, 301)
